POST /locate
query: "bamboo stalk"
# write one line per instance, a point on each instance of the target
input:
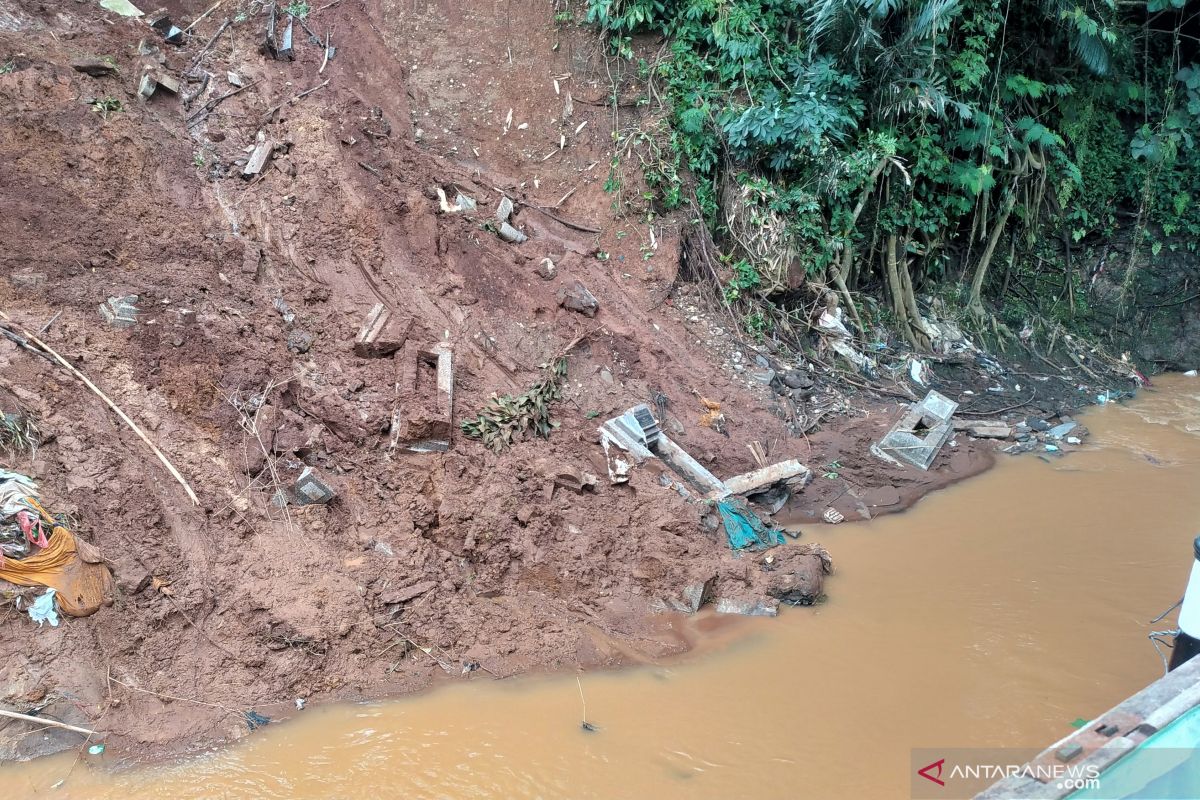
(124, 417)
(43, 721)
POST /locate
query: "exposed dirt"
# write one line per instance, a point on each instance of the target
(237, 603)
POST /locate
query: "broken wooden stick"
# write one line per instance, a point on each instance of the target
(44, 721)
(202, 16)
(275, 108)
(208, 107)
(133, 426)
(325, 60)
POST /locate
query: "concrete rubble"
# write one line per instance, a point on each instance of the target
(920, 434)
(120, 312)
(427, 425)
(153, 80)
(380, 335)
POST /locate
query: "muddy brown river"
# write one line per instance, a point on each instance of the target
(991, 614)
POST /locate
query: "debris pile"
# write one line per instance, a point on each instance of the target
(39, 550)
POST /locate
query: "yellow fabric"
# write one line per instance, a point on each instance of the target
(81, 585)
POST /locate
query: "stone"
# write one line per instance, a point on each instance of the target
(299, 342)
(1039, 425)
(120, 312)
(309, 489)
(694, 595)
(578, 298)
(546, 269)
(96, 67)
(396, 596)
(796, 379)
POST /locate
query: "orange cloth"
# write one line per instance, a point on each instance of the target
(73, 569)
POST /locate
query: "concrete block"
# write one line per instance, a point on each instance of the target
(120, 312)
(920, 434)
(380, 336)
(309, 489)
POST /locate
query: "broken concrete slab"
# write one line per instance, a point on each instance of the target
(510, 234)
(96, 67)
(427, 431)
(279, 45)
(987, 429)
(122, 7)
(309, 489)
(259, 158)
(380, 335)
(750, 482)
(1059, 431)
(505, 209)
(637, 433)
(160, 21)
(462, 202)
(920, 434)
(120, 312)
(748, 608)
(576, 297)
(152, 81)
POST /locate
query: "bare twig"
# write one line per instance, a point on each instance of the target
(560, 220)
(124, 417)
(45, 721)
(202, 16)
(271, 111)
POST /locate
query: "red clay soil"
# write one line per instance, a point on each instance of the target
(243, 606)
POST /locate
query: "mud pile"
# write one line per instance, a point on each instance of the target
(240, 363)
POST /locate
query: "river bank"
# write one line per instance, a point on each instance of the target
(240, 364)
(991, 615)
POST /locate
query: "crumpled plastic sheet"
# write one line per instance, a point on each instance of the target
(743, 527)
(43, 610)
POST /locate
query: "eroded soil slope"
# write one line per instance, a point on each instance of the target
(251, 292)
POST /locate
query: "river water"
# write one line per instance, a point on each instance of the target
(991, 614)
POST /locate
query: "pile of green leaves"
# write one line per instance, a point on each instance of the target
(507, 419)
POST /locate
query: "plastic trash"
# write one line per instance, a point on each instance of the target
(255, 720)
(1191, 373)
(95, 750)
(743, 527)
(43, 610)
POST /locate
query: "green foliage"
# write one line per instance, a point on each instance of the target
(507, 419)
(298, 9)
(804, 129)
(106, 106)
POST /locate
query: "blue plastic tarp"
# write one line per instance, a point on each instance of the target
(744, 528)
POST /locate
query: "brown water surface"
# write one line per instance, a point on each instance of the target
(991, 614)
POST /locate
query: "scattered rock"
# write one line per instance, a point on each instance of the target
(796, 379)
(96, 67)
(546, 269)
(299, 342)
(578, 298)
